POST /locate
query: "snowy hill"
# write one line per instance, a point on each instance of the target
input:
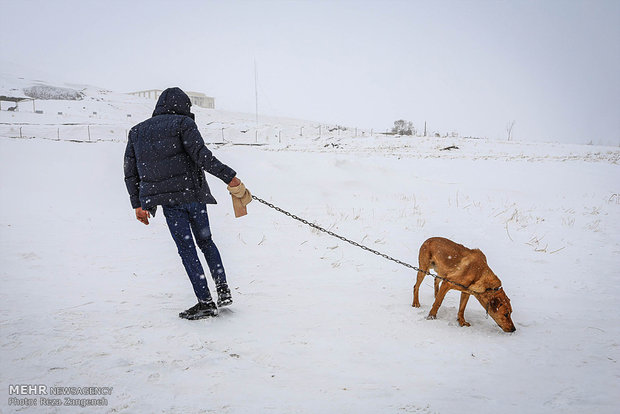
(90, 296)
(107, 116)
(103, 115)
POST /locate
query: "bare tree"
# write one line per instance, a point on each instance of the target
(402, 127)
(509, 128)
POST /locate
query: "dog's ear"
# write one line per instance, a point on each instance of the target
(494, 304)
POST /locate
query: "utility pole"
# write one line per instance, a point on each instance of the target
(256, 90)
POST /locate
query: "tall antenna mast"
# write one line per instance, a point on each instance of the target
(256, 90)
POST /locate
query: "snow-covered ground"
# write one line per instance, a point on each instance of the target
(90, 296)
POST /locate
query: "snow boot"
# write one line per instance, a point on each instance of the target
(199, 311)
(224, 298)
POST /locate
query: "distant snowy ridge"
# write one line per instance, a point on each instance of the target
(53, 93)
(89, 114)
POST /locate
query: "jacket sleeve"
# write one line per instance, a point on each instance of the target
(132, 179)
(200, 154)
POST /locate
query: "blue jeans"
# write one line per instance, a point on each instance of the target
(182, 218)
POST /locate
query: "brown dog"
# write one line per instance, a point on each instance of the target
(470, 274)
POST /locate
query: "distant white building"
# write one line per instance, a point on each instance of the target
(197, 98)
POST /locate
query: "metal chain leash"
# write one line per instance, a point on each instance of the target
(361, 246)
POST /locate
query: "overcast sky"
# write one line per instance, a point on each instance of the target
(466, 66)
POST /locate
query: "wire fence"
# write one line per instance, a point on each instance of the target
(76, 133)
(211, 134)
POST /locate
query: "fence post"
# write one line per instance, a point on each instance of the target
(279, 137)
(223, 140)
(20, 132)
(88, 127)
(58, 134)
(301, 132)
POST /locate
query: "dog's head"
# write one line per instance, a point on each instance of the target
(499, 308)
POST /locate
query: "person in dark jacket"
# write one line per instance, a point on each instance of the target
(164, 162)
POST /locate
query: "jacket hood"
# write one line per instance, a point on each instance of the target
(173, 101)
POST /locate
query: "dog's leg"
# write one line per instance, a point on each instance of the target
(445, 287)
(416, 289)
(424, 260)
(461, 314)
(436, 286)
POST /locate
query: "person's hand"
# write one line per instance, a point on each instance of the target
(234, 182)
(238, 191)
(241, 197)
(143, 215)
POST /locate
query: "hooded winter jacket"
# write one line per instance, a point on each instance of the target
(166, 155)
